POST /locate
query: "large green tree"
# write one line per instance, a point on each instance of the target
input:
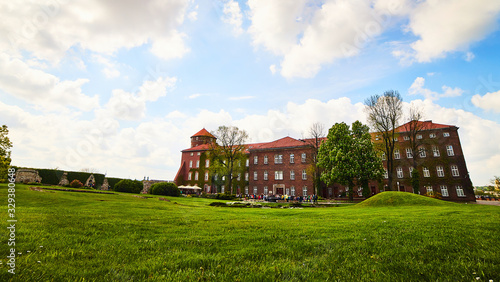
(348, 157)
(5, 145)
(228, 155)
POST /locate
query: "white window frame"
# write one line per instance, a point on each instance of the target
(411, 169)
(386, 173)
(266, 175)
(429, 190)
(255, 190)
(409, 153)
(256, 160)
(255, 175)
(440, 171)
(192, 154)
(206, 176)
(397, 155)
(399, 172)
(266, 159)
(196, 176)
(454, 170)
(197, 163)
(432, 135)
(292, 174)
(266, 190)
(246, 176)
(446, 134)
(292, 158)
(426, 172)
(190, 175)
(190, 164)
(304, 174)
(292, 190)
(444, 191)
(222, 188)
(449, 150)
(419, 136)
(239, 177)
(247, 163)
(278, 175)
(383, 157)
(303, 158)
(422, 152)
(304, 191)
(460, 191)
(406, 138)
(278, 159)
(246, 190)
(435, 151)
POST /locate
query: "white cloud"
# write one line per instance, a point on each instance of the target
(469, 56)
(233, 16)
(489, 102)
(450, 25)
(194, 96)
(241, 98)
(417, 88)
(272, 68)
(110, 69)
(132, 106)
(48, 29)
(44, 90)
(175, 114)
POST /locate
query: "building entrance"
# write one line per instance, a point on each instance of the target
(278, 189)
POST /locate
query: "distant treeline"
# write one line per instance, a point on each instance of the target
(53, 176)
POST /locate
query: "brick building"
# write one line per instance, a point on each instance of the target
(281, 166)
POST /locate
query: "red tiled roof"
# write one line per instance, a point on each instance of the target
(423, 125)
(285, 142)
(203, 132)
(202, 147)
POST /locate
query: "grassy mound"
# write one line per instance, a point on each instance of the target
(386, 199)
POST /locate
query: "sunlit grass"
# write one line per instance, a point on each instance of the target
(121, 237)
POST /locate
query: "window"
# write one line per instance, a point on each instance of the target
(304, 191)
(383, 157)
(304, 157)
(454, 170)
(239, 177)
(292, 158)
(255, 160)
(206, 176)
(429, 189)
(399, 171)
(247, 163)
(255, 174)
(444, 190)
(435, 151)
(223, 178)
(266, 175)
(246, 176)
(190, 175)
(446, 134)
(266, 190)
(292, 190)
(192, 154)
(409, 153)
(198, 163)
(460, 191)
(198, 153)
(246, 190)
(216, 177)
(196, 176)
(397, 156)
(411, 170)
(406, 138)
(304, 174)
(222, 188)
(207, 163)
(432, 135)
(292, 175)
(266, 159)
(255, 190)
(386, 174)
(190, 164)
(422, 152)
(427, 173)
(278, 175)
(440, 171)
(419, 136)
(278, 159)
(449, 150)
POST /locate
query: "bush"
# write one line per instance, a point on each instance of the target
(226, 196)
(165, 189)
(76, 184)
(218, 204)
(128, 186)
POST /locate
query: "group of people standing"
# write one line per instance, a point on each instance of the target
(288, 198)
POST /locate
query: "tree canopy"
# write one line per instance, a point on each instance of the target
(5, 145)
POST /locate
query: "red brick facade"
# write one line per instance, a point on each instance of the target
(281, 167)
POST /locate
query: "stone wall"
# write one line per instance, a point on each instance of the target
(27, 175)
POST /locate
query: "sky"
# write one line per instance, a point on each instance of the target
(118, 87)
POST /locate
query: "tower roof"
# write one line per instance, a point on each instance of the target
(203, 132)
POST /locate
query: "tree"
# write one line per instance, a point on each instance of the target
(228, 153)
(166, 189)
(348, 157)
(316, 135)
(415, 180)
(414, 127)
(384, 113)
(5, 145)
(128, 186)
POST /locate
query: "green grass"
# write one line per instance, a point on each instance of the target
(400, 199)
(123, 238)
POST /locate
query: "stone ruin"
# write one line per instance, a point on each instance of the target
(105, 185)
(27, 175)
(146, 185)
(90, 181)
(64, 179)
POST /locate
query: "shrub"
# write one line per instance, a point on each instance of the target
(226, 196)
(128, 186)
(76, 184)
(296, 205)
(218, 204)
(165, 189)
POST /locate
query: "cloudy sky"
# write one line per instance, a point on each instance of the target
(120, 86)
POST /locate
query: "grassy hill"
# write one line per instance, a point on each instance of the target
(398, 199)
(68, 236)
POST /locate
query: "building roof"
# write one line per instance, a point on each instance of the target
(423, 125)
(203, 132)
(285, 142)
(202, 147)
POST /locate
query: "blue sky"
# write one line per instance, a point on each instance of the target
(120, 87)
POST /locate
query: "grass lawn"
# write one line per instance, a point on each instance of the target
(74, 236)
